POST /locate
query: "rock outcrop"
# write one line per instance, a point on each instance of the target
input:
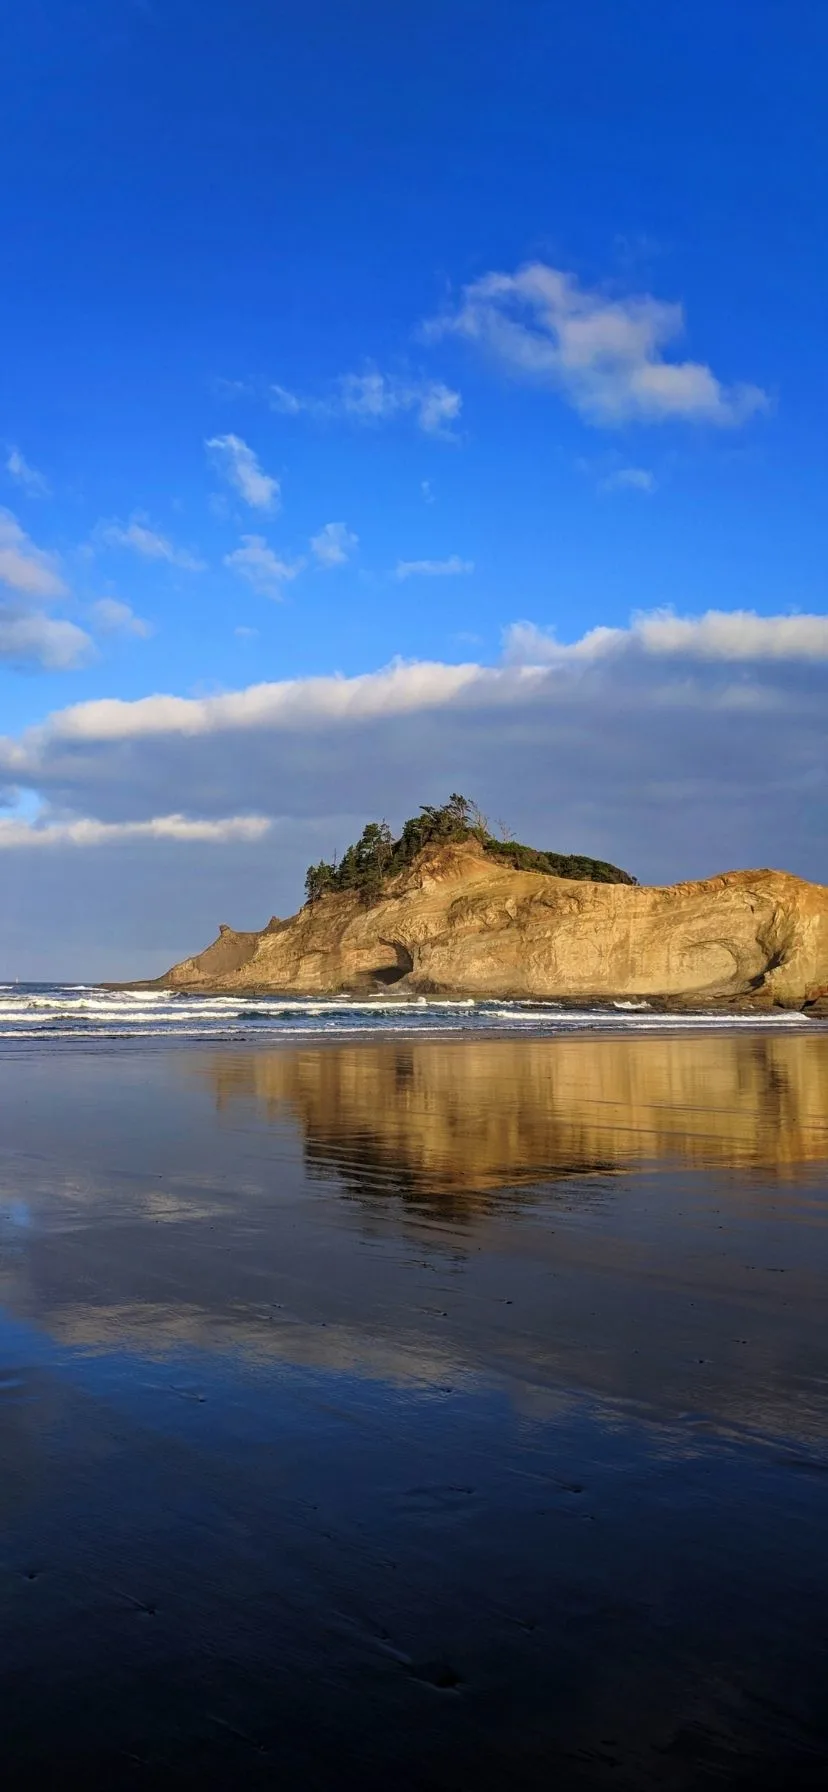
(457, 923)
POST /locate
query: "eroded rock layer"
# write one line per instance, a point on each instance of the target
(458, 923)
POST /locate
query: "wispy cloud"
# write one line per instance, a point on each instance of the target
(716, 635)
(606, 356)
(27, 569)
(112, 617)
(240, 467)
(34, 484)
(334, 545)
(427, 490)
(289, 404)
(433, 569)
(139, 538)
(89, 832)
(224, 388)
(256, 562)
(373, 398)
(629, 479)
(31, 641)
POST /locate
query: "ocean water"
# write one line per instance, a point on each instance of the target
(81, 1010)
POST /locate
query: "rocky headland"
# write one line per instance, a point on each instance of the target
(459, 921)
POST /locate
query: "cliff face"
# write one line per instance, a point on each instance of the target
(457, 923)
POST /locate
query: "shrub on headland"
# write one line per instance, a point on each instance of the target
(367, 865)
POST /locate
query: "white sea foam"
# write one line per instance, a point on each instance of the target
(49, 1012)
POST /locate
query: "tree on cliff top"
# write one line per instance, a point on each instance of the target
(367, 865)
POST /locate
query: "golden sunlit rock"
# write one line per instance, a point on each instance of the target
(458, 923)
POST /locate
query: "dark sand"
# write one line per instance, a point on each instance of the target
(415, 1415)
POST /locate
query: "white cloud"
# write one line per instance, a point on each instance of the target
(433, 569)
(437, 408)
(373, 398)
(30, 639)
(241, 469)
(87, 832)
(334, 544)
(34, 484)
(291, 704)
(717, 635)
(427, 491)
(677, 746)
(137, 536)
(112, 617)
(629, 479)
(534, 665)
(605, 355)
(256, 562)
(27, 569)
(244, 633)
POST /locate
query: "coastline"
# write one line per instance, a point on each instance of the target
(454, 925)
(748, 1005)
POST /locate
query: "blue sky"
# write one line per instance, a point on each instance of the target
(337, 334)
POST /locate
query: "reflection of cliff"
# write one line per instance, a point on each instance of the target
(471, 1114)
(169, 1231)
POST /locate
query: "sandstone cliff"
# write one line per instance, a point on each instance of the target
(457, 923)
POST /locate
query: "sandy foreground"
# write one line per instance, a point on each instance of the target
(434, 1412)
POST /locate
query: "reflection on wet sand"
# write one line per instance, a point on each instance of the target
(464, 1489)
(476, 1115)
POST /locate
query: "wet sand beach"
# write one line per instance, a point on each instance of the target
(426, 1412)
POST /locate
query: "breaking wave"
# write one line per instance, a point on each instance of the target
(85, 1011)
